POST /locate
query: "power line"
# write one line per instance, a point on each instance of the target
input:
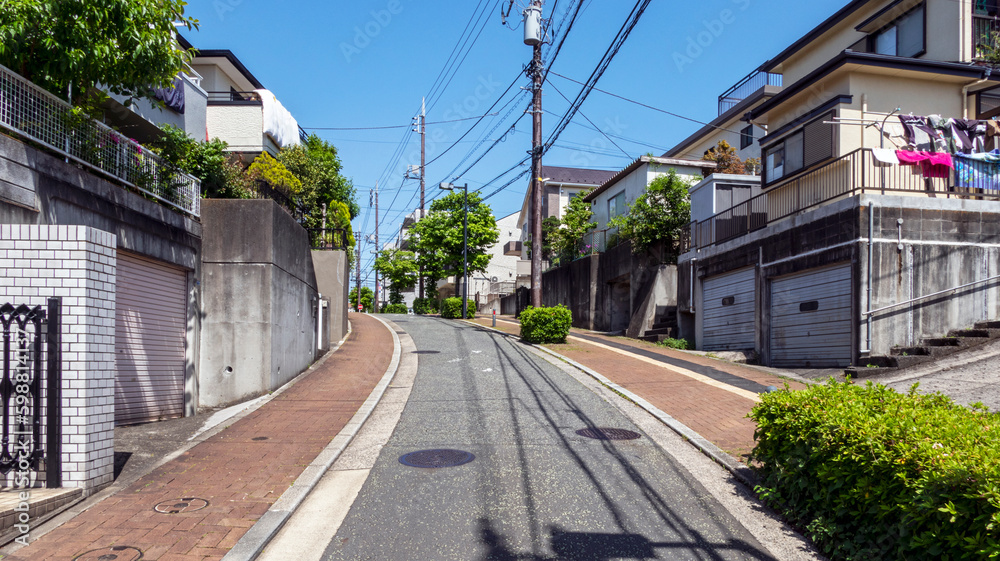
(589, 121)
(480, 117)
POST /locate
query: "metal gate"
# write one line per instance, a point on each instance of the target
(728, 306)
(811, 319)
(31, 337)
(150, 326)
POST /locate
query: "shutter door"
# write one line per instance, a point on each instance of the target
(150, 322)
(811, 319)
(728, 304)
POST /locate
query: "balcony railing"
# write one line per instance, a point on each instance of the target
(328, 239)
(36, 115)
(984, 29)
(249, 98)
(857, 172)
(745, 87)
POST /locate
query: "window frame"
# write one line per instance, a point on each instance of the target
(614, 200)
(781, 147)
(746, 137)
(894, 25)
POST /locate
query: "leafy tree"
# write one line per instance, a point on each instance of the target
(318, 167)
(437, 238)
(726, 159)
(367, 299)
(400, 269)
(126, 46)
(575, 224)
(204, 160)
(657, 216)
(266, 168)
(550, 232)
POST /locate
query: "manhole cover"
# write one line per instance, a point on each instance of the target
(436, 458)
(116, 553)
(601, 433)
(177, 506)
(259, 438)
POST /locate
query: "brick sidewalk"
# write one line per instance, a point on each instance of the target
(241, 471)
(714, 413)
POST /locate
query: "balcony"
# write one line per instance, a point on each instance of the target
(250, 124)
(746, 87)
(984, 29)
(512, 248)
(853, 174)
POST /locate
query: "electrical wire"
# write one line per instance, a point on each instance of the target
(591, 122)
(480, 117)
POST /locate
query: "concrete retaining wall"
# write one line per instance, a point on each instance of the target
(333, 281)
(260, 299)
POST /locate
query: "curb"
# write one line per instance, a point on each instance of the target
(252, 544)
(739, 470)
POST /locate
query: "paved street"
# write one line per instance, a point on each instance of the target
(536, 489)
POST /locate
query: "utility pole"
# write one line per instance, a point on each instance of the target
(423, 160)
(357, 259)
(376, 244)
(533, 36)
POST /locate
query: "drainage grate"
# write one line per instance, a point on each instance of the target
(116, 553)
(436, 458)
(601, 433)
(177, 506)
(259, 438)
(426, 352)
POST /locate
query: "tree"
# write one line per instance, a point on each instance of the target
(204, 160)
(657, 216)
(437, 238)
(400, 269)
(267, 168)
(575, 224)
(318, 167)
(126, 46)
(550, 231)
(367, 299)
(726, 159)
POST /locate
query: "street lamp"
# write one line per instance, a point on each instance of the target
(465, 244)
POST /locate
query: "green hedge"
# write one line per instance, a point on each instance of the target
(424, 306)
(869, 473)
(545, 325)
(452, 309)
(394, 309)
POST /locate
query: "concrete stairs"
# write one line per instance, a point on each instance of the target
(930, 349)
(665, 326)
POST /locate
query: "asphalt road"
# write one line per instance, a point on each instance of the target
(535, 489)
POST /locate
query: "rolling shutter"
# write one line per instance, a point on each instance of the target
(729, 305)
(150, 322)
(811, 319)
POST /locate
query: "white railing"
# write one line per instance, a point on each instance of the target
(36, 115)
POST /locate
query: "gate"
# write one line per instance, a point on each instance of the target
(31, 337)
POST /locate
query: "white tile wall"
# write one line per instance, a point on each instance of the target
(76, 263)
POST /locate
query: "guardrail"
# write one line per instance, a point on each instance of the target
(855, 173)
(984, 29)
(328, 239)
(748, 85)
(36, 115)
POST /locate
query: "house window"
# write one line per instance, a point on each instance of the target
(903, 37)
(616, 205)
(810, 145)
(746, 137)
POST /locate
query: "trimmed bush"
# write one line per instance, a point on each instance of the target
(394, 309)
(545, 325)
(424, 306)
(452, 309)
(869, 473)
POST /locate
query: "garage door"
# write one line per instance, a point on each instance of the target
(150, 320)
(728, 302)
(811, 319)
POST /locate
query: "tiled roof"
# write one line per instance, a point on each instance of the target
(581, 176)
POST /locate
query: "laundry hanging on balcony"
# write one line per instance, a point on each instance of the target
(278, 122)
(935, 133)
(933, 164)
(978, 171)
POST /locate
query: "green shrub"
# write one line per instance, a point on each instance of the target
(672, 343)
(424, 306)
(452, 309)
(869, 473)
(394, 309)
(546, 325)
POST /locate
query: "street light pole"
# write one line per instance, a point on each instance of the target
(465, 244)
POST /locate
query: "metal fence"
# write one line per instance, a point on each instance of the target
(748, 85)
(328, 239)
(31, 339)
(984, 29)
(36, 115)
(857, 172)
(261, 189)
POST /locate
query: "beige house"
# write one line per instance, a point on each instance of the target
(845, 256)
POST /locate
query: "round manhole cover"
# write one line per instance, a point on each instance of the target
(601, 433)
(436, 458)
(116, 553)
(177, 506)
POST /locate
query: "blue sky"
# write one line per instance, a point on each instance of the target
(368, 63)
